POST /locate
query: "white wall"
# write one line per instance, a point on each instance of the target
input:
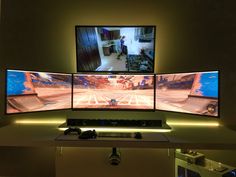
(134, 47)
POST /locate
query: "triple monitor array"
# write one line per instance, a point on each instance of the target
(29, 91)
(115, 66)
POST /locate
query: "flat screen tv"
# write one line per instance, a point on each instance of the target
(113, 92)
(115, 49)
(30, 91)
(194, 93)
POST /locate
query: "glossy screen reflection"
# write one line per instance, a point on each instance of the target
(195, 93)
(113, 92)
(29, 91)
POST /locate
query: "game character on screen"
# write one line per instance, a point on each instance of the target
(122, 46)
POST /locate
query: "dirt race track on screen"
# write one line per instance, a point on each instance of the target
(124, 99)
(179, 101)
(46, 99)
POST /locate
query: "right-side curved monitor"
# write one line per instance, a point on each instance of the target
(194, 93)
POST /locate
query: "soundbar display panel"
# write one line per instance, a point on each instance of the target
(30, 91)
(194, 93)
(113, 92)
(113, 123)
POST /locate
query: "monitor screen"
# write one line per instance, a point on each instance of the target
(115, 48)
(195, 93)
(29, 91)
(113, 92)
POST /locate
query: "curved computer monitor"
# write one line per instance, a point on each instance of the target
(113, 92)
(194, 93)
(115, 48)
(31, 91)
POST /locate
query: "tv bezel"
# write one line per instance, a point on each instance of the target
(116, 26)
(194, 114)
(5, 100)
(107, 109)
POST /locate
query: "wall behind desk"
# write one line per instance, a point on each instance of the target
(27, 161)
(73, 162)
(191, 36)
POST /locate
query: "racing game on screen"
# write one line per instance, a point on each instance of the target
(195, 93)
(29, 91)
(113, 91)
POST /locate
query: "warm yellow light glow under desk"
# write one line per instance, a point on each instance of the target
(39, 121)
(193, 124)
(171, 123)
(100, 129)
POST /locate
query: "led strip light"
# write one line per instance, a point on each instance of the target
(193, 124)
(100, 129)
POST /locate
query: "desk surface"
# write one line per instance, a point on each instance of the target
(181, 137)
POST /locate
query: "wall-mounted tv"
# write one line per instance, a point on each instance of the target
(194, 93)
(115, 48)
(113, 92)
(30, 91)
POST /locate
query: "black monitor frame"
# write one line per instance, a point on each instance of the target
(103, 109)
(116, 26)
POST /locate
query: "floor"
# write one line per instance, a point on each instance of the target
(111, 63)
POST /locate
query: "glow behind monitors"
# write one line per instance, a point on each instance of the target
(30, 91)
(195, 93)
(113, 92)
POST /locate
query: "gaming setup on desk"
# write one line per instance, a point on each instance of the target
(115, 67)
(193, 93)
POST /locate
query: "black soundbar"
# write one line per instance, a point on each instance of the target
(113, 123)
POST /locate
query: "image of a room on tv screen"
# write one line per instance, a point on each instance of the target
(115, 48)
(195, 93)
(113, 91)
(29, 91)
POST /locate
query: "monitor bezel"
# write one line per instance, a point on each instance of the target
(117, 72)
(121, 109)
(186, 113)
(5, 100)
(105, 73)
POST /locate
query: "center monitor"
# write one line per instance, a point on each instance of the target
(113, 92)
(115, 48)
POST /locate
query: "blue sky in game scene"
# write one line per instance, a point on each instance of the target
(16, 83)
(209, 84)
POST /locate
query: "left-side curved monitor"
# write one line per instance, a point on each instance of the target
(31, 91)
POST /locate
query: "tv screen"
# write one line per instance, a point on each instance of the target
(195, 93)
(115, 48)
(29, 91)
(113, 92)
